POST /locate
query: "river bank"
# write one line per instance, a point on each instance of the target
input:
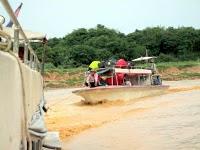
(74, 77)
(70, 117)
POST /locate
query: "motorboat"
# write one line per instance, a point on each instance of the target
(123, 82)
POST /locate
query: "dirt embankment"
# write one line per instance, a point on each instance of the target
(63, 80)
(174, 73)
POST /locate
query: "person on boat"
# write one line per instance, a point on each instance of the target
(153, 67)
(131, 65)
(121, 63)
(92, 79)
(102, 65)
(94, 65)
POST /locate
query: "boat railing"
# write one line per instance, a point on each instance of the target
(138, 67)
(30, 58)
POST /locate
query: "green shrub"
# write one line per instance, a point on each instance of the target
(48, 66)
(166, 58)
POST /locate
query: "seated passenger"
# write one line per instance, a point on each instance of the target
(92, 79)
(101, 81)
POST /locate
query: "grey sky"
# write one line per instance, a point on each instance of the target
(60, 17)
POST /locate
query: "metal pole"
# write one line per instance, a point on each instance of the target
(35, 63)
(31, 61)
(112, 78)
(43, 58)
(138, 79)
(16, 41)
(146, 53)
(26, 53)
(116, 77)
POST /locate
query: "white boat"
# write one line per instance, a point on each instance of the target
(134, 83)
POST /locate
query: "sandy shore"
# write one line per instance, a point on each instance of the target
(70, 117)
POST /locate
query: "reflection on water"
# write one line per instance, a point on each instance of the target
(170, 121)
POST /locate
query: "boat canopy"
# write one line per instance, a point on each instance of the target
(143, 58)
(29, 34)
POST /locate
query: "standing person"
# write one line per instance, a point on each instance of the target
(153, 67)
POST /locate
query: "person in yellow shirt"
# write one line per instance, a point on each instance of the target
(94, 65)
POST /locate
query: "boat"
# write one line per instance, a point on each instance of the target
(125, 82)
(22, 107)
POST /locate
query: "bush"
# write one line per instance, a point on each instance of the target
(49, 66)
(166, 58)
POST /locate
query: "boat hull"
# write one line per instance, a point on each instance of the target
(115, 93)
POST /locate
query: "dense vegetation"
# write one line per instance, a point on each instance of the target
(82, 46)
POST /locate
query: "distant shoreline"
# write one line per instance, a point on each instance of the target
(74, 77)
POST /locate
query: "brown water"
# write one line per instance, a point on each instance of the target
(170, 121)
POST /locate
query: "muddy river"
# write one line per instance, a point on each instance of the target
(169, 121)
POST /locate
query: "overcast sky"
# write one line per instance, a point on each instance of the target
(56, 18)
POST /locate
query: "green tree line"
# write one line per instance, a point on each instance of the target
(82, 46)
